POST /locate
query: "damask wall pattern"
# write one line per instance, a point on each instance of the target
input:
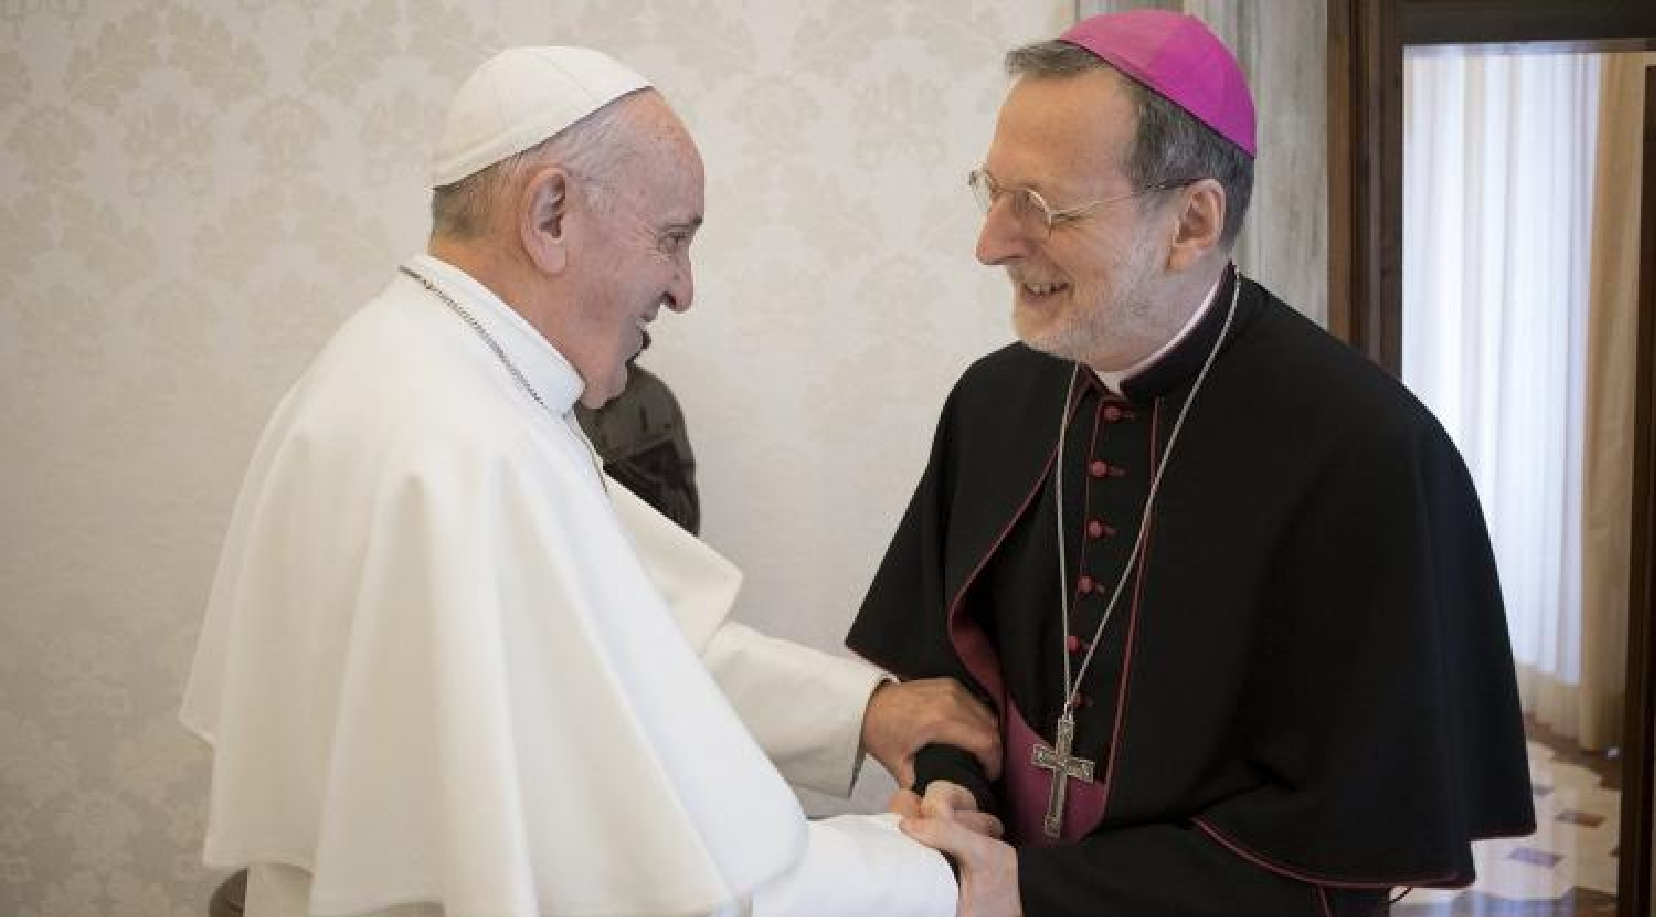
(194, 194)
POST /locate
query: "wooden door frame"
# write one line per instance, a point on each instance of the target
(1634, 879)
(1366, 145)
(1366, 128)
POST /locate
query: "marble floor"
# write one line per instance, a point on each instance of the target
(1568, 868)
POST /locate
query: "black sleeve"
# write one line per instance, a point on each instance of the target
(947, 762)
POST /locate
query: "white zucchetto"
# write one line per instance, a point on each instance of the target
(520, 97)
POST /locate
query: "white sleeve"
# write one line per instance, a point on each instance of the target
(804, 707)
(857, 865)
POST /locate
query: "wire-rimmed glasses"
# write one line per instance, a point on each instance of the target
(1032, 211)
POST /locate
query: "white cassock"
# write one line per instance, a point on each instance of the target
(446, 670)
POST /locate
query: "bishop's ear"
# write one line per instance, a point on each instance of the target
(544, 218)
(1202, 208)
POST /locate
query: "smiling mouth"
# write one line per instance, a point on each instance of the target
(1041, 291)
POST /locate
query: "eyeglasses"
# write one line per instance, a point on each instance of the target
(1032, 211)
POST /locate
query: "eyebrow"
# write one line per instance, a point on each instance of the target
(1048, 185)
(1039, 186)
(691, 225)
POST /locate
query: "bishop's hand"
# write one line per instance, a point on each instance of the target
(904, 717)
(988, 868)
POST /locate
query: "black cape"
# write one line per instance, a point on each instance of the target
(1305, 695)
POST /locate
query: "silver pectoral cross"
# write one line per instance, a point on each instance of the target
(1064, 766)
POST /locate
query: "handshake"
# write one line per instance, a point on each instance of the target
(947, 819)
(900, 719)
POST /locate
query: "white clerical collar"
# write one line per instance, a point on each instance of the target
(547, 371)
(1114, 380)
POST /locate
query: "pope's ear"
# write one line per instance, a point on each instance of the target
(543, 219)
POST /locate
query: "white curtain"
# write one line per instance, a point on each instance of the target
(1498, 191)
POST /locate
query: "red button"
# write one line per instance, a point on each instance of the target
(1085, 584)
(1095, 528)
(1112, 413)
(1098, 469)
(1073, 643)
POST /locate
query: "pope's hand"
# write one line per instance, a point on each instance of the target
(945, 799)
(903, 717)
(988, 867)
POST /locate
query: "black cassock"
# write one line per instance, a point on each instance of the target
(1305, 696)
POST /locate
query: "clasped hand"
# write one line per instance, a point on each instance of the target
(947, 819)
(903, 717)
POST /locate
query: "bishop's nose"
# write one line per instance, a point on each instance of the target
(1002, 239)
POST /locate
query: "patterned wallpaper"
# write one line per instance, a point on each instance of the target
(193, 194)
